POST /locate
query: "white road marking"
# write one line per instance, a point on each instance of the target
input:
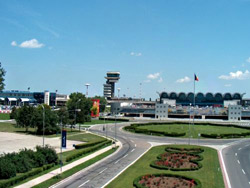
(135, 145)
(84, 183)
(238, 161)
(117, 161)
(239, 149)
(243, 171)
(132, 150)
(249, 183)
(132, 141)
(103, 170)
(125, 155)
(235, 154)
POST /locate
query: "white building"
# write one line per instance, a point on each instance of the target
(234, 112)
(46, 97)
(161, 111)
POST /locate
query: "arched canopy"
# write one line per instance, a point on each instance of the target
(190, 97)
(164, 95)
(218, 97)
(227, 96)
(236, 96)
(173, 95)
(199, 97)
(209, 97)
(182, 96)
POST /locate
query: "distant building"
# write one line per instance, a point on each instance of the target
(234, 112)
(46, 97)
(109, 87)
(201, 99)
(161, 111)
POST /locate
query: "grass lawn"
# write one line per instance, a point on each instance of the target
(194, 129)
(210, 174)
(4, 116)
(72, 171)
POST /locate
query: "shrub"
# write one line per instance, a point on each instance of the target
(89, 144)
(48, 153)
(7, 169)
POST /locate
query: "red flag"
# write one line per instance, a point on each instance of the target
(196, 78)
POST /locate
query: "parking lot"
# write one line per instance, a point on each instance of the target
(12, 142)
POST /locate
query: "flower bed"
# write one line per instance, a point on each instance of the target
(185, 150)
(165, 180)
(178, 161)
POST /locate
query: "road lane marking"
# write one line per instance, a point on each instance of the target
(243, 171)
(125, 155)
(249, 182)
(132, 141)
(132, 150)
(83, 183)
(135, 145)
(103, 170)
(239, 149)
(238, 161)
(235, 154)
(117, 161)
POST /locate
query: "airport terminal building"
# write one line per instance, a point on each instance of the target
(201, 99)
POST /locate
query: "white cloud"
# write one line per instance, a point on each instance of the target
(227, 85)
(13, 43)
(248, 60)
(33, 43)
(183, 80)
(136, 54)
(153, 76)
(239, 75)
(160, 80)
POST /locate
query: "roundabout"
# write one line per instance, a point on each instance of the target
(134, 146)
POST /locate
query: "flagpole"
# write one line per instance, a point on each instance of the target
(194, 97)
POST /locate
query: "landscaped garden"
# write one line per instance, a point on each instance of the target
(184, 130)
(181, 166)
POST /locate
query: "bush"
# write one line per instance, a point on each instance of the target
(7, 169)
(87, 150)
(48, 153)
(89, 144)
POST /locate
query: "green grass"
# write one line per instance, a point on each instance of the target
(194, 129)
(4, 116)
(210, 174)
(72, 171)
(84, 137)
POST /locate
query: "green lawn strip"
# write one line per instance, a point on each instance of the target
(4, 116)
(64, 155)
(75, 169)
(210, 174)
(84, 137)
(97, 121)
(194, 129)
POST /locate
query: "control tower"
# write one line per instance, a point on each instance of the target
(109, 88)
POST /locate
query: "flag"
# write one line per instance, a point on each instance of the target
(196, 78)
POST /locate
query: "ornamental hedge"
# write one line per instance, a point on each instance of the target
(135, 128)
(87, 150)
(138, 179)
(228, 135)
(89, 144)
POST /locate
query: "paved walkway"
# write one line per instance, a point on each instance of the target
(55, 172)
(13, 142)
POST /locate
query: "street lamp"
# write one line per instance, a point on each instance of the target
(43, 122)
(118, 89)
(87, 86)
(77, 111)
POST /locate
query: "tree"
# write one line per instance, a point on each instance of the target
(2, 74)
(79, 101)
(25, 117)
(63, 116)
(103, 103)
(51, 120)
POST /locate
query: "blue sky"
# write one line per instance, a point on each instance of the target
(61, 45)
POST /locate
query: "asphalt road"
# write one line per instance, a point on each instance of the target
(134, 145)
(237, 161)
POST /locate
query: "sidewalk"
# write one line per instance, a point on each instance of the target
(55, 172)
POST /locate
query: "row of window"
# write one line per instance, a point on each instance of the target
(160, 111)
(161, 106)
(235, 113)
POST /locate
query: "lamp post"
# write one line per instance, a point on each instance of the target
(43, 122)
(87, 92)
(77, 111)
(118, 89)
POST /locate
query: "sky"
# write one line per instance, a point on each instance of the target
(62, 45)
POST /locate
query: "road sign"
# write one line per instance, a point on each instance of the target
(64, 138)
